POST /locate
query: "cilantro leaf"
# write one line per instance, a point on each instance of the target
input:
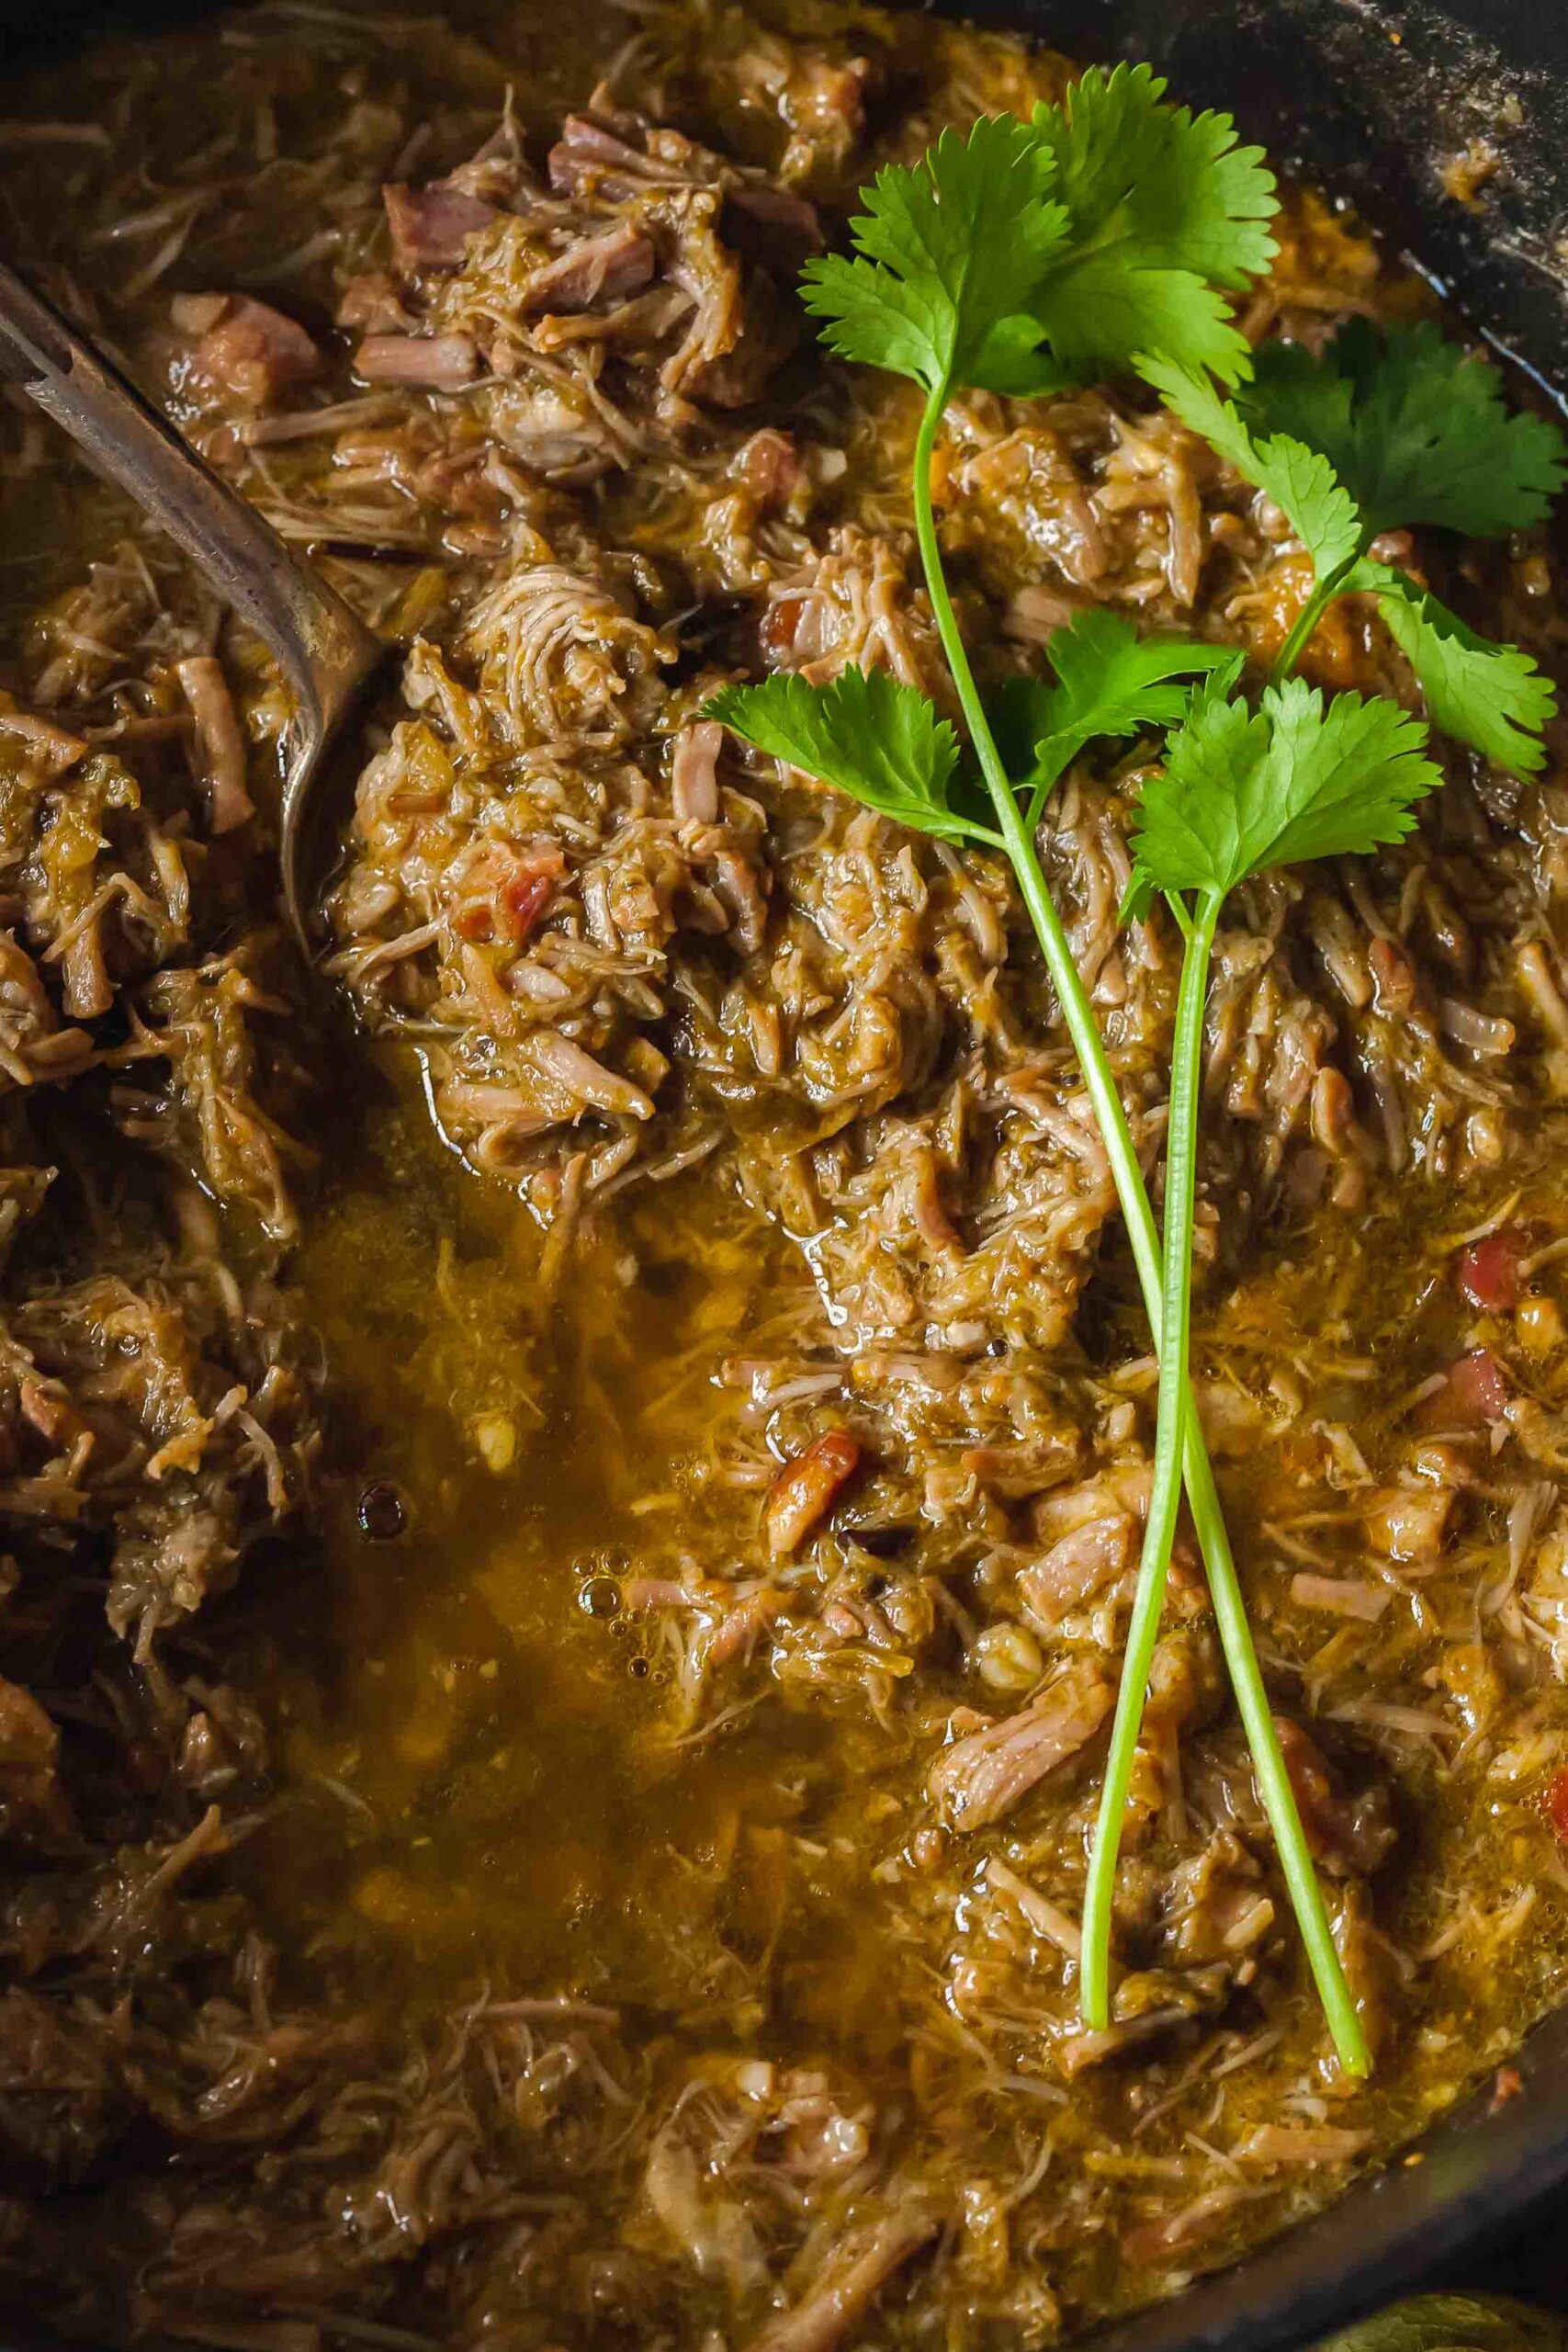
(867, 735)
(953, 251)
(1110, 681)
(1242, 790)
(1173, 189)
(1421, 432)
(1165, 208)
(1031, 254)
(1414, 427)
(1491, 697)
(1299, 481)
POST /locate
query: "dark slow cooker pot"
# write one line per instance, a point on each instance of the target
(1377, 103)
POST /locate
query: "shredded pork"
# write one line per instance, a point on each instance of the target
(683, 1573)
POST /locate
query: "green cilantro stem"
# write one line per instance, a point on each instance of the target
(1165, 1493)
(1230, 1609)
(1177, 1425)
(1046, 783)
(1323, 593)
(1239, 791)
(1177, 1411)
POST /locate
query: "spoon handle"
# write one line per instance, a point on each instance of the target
(323, 649)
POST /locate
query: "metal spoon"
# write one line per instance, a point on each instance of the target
(327, 655)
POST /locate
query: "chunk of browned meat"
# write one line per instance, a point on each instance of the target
(1488, 1270)
(693, 773)
(1347, 1834)
(436, 363)
(600, 270)
(500, 893)
(854, 2272)
(981, 1777)
(1077, 1566)
(1370, 1963)
(249, 354)
(766, 333)
(806, 1491)
(31, 1799)
(1475, 1392)
(589, 154)
(222, 743)
(60, 2087)
(373, 303)
(770, 466)
(430, 226)
(1408, 1523)
(773, 227)
(1217, 1905)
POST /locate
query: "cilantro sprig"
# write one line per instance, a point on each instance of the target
(1240, 791)
(1387, 427)
(1103, 236)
